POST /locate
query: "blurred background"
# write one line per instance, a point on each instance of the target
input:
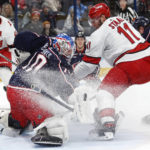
(51, 17)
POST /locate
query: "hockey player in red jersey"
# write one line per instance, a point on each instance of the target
(123, 47)
(7, 35)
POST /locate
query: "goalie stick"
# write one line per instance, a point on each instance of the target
(44, 93)
(57, 100)
(8, 59)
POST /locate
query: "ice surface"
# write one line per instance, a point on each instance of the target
(132, 135)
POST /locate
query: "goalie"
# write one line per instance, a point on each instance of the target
(46, 68)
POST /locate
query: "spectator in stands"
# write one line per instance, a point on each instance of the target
(25, 20)
(65, 5)
(27, 16)
(127, 12)
(147, 2)
(54, 5)
(48, 15)
(21, 4)
(141, 8)
(34, 3)
(45, 12)
(69, 24)
(7, 11)
(35, 25)
(3, 1)
(82, 20)
(47, 31)
(142, 24)
(80, 9)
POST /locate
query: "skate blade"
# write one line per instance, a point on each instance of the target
(48, 143)
(107, 137)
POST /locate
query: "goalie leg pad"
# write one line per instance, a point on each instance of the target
(52, 132)
(42, 138)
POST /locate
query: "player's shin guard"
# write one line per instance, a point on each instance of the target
(104, 127)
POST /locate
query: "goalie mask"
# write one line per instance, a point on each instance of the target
(65, 45)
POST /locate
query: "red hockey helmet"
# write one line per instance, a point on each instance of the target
(98, 10)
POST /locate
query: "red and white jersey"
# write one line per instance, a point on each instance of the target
(117, 41)
(7, 32)
(7, 36)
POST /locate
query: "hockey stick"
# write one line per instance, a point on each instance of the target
(56, 100)
(8, 59)
(44, 93)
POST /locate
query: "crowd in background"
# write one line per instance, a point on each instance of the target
(51, 17)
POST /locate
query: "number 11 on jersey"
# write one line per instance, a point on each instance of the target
(124, 31)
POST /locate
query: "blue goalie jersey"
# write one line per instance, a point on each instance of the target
(45, 69)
